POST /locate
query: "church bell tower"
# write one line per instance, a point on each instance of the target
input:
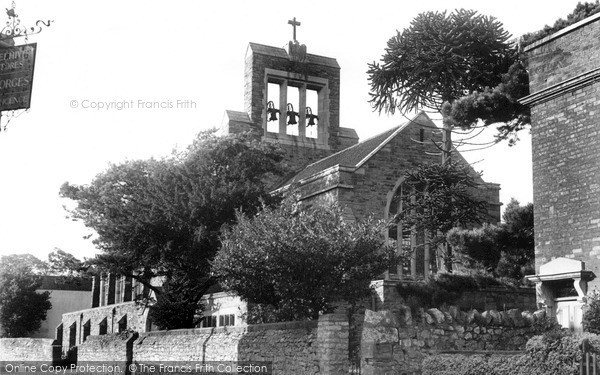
(292, 98)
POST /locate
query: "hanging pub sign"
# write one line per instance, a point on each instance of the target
(16, 76)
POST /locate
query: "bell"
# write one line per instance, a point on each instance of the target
(311, 117)
(292, 118)
(272, 114)
(291, 115)
(272, 111)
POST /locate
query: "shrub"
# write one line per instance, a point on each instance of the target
(557, 352)
(581, 12)
(591, 316)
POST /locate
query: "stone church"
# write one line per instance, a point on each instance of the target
(292, 98)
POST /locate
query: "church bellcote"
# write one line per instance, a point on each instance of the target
(292, 98)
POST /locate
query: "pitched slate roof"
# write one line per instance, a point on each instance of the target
(354, 156)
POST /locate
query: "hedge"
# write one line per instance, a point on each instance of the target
(557, 352)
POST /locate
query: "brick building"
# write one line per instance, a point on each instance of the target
(564, 73)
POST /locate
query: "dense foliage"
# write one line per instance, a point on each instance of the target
(557, 352)
(591, 314)
(441, 58)
(505, 250)
(581, 11)
(493, 105)
(161, 219)
(438, 198)
(295, 261)
(22, 309)
(438, 58)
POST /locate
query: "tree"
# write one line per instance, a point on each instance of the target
(517, 241)
(507, 249)
(441, 58)
(295, 260)
(440, 198)
(65, 264)
(161, 219)
(22, 309)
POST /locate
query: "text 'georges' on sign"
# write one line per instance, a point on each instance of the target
(16, 76)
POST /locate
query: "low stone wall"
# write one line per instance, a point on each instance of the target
(292, 348)
(113, 348)
(28, 349)
(395, 342)
(315, 347)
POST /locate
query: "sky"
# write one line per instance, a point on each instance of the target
(180, 65)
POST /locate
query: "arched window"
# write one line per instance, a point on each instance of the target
(410, 242)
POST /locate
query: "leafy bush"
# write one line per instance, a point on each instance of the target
(557, 352)
(296, 261)
(591, 316)
(581, 12)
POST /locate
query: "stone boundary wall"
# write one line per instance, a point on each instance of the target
(29, 349)
(314, 347)
(395, 342)
(292, 348)
(110, 348)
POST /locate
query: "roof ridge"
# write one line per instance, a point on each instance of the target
(351, 147)
(392, 136)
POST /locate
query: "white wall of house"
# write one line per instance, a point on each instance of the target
(63, 301)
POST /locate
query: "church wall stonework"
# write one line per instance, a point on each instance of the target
(565, 109)
(254, 90)
(378, 177)
(135, 315)
(299, 151)
(366, 191)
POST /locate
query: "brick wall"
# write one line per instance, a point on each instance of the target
(396, 342)
(565, 106)
(562, 56)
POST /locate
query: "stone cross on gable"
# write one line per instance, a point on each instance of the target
(294, 23)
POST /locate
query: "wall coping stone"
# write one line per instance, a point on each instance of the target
(562, 32)
(310, 324)
(98, 308)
